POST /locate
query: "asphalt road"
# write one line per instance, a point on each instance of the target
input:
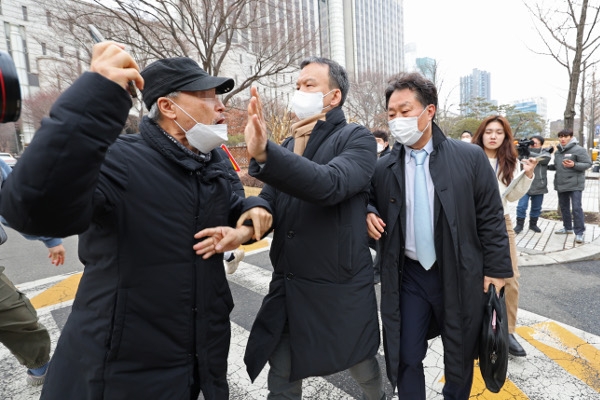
(27, 260)
(569, 293)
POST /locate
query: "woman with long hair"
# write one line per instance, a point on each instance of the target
(495, 136)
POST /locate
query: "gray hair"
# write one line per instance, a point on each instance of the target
(338, 77)
(154, 113)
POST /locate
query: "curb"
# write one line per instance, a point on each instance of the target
(586, 252)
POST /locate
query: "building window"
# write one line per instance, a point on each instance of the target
(48, 18)
(43, 49)
(7, 36)
(24, 8)
(25, 49)
(0, 7)
(61, 51)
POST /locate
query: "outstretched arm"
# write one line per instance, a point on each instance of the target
(50, 191)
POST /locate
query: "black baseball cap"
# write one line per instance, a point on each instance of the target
(179, 74)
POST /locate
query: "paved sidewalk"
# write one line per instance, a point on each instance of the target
(548, 248)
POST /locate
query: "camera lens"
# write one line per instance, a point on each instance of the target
(10, 91)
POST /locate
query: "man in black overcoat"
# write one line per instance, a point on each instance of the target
(320, 315)
(433, 284)
(151, 316)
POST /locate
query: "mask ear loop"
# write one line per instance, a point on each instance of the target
(325, 96)
(185, 112)
(428, 122)
(180, 127)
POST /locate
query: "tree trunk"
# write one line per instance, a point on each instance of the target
(582, 107)
(576, 69)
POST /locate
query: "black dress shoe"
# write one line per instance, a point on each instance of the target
(514, 347)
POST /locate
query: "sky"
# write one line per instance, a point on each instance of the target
(497, 36)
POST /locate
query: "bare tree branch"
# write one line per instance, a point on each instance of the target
(246, 37)
(571, 37)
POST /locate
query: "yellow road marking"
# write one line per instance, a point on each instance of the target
(580, 358)
(509, 390)
(62, 291)
(255, 246)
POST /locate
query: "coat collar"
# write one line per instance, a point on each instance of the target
(323, 129)
(169, 148)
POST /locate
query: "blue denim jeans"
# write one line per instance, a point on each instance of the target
(536, 206)
(566, 201)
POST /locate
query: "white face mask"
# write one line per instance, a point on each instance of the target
(204, 137)
(466, 139)
(379, 148)
(307, 104)
(406, 129)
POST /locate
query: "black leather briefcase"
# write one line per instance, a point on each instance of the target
(493, 344)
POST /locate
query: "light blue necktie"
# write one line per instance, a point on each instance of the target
(422, 215)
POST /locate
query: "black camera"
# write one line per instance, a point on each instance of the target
(523, 147)
(10, 90)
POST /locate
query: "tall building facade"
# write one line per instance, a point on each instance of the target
(538, 105)
(366, 36)
(476, 85)
(426, 66)
(42, 60)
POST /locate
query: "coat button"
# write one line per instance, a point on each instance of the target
(289, 276)
(291, 234)
(392, 200)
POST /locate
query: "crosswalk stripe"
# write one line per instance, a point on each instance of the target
(254, 278)
(509, 390)
(578, 358)
(60, 292)
(570, 340)
(261, 244)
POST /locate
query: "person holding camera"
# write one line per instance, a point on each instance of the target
(570, 163)
(538, 188)
(495, 136)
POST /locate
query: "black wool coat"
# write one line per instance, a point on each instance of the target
(147, 307)
(322, 282)
(470, 241)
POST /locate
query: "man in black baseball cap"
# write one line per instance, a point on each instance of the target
(182, 100)
(151, 314)
(179, 74)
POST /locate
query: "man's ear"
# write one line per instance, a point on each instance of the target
(166, 107)
(431, 111)
(337, 98)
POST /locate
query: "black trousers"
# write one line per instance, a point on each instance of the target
(421, 298)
